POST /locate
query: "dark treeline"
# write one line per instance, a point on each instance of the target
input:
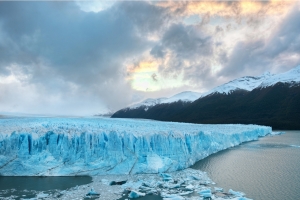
(277, 106)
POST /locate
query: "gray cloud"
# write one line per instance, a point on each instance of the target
(256, 55)
(158, 51)
(205, 19)
(154, 77)
(187, 41)
(54, 57)
(185, 44)
(147, 18)
(286, 39)
(63, 50)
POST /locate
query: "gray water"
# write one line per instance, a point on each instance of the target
(267, 169)
(27, 187)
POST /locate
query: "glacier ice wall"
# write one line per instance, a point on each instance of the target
(94, 146)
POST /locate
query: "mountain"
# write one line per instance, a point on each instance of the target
(268, 99)
(186, 96)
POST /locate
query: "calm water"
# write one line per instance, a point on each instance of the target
(268, 169)
(27, 187)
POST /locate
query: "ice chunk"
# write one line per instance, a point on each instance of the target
(241, 198)
(236, 193)
(205, 193)
(133, 185)
(41, 195)
(92, 192)
(218, 189)
(172, 186)
(276, 133)
(171, 197)
(297, 146)
(190, 186)
(192, 177)
(166, 177)
(174, 198)
(185, 193)
(135, 194)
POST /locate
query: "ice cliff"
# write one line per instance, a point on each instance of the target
(94, 146)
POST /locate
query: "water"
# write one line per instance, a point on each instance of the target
(265, 169)
(147, 197)
(28, 187)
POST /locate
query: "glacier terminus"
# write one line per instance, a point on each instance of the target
(45, 146)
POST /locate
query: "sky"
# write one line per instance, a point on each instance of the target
(91, 57)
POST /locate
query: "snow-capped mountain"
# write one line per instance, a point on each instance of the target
(244, 83)
(186, 96)
(268, 99)
(292, 77)
(247, 83)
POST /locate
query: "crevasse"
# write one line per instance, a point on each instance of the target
(95, 146)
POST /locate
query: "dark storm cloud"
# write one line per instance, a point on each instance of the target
(76, 43)
(158, 51)
(147, 18)
(56, 42)
(257, 55)
(187, 41)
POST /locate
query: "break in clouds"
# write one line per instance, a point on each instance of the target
(64, 58)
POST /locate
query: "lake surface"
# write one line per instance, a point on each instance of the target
(28, 187)
(265, 169)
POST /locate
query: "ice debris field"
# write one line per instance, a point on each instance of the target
(101, 146)
(189, 184)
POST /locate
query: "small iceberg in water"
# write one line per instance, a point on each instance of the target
(276, 133)
(297, 146)
(92, 193)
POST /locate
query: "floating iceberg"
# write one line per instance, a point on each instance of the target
(205, 193)
(97, 146)
(236, 193)
(277, 133)
(297, 146)
(135, 194)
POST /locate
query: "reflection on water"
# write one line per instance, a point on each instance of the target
(28, 187)
(264, 169)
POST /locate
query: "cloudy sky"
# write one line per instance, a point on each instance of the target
(87, 57)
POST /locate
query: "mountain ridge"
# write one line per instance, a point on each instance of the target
(247, 83)
(273, 101)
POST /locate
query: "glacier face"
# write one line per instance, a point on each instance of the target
(95, 146)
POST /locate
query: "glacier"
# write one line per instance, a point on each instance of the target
(44, 146)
